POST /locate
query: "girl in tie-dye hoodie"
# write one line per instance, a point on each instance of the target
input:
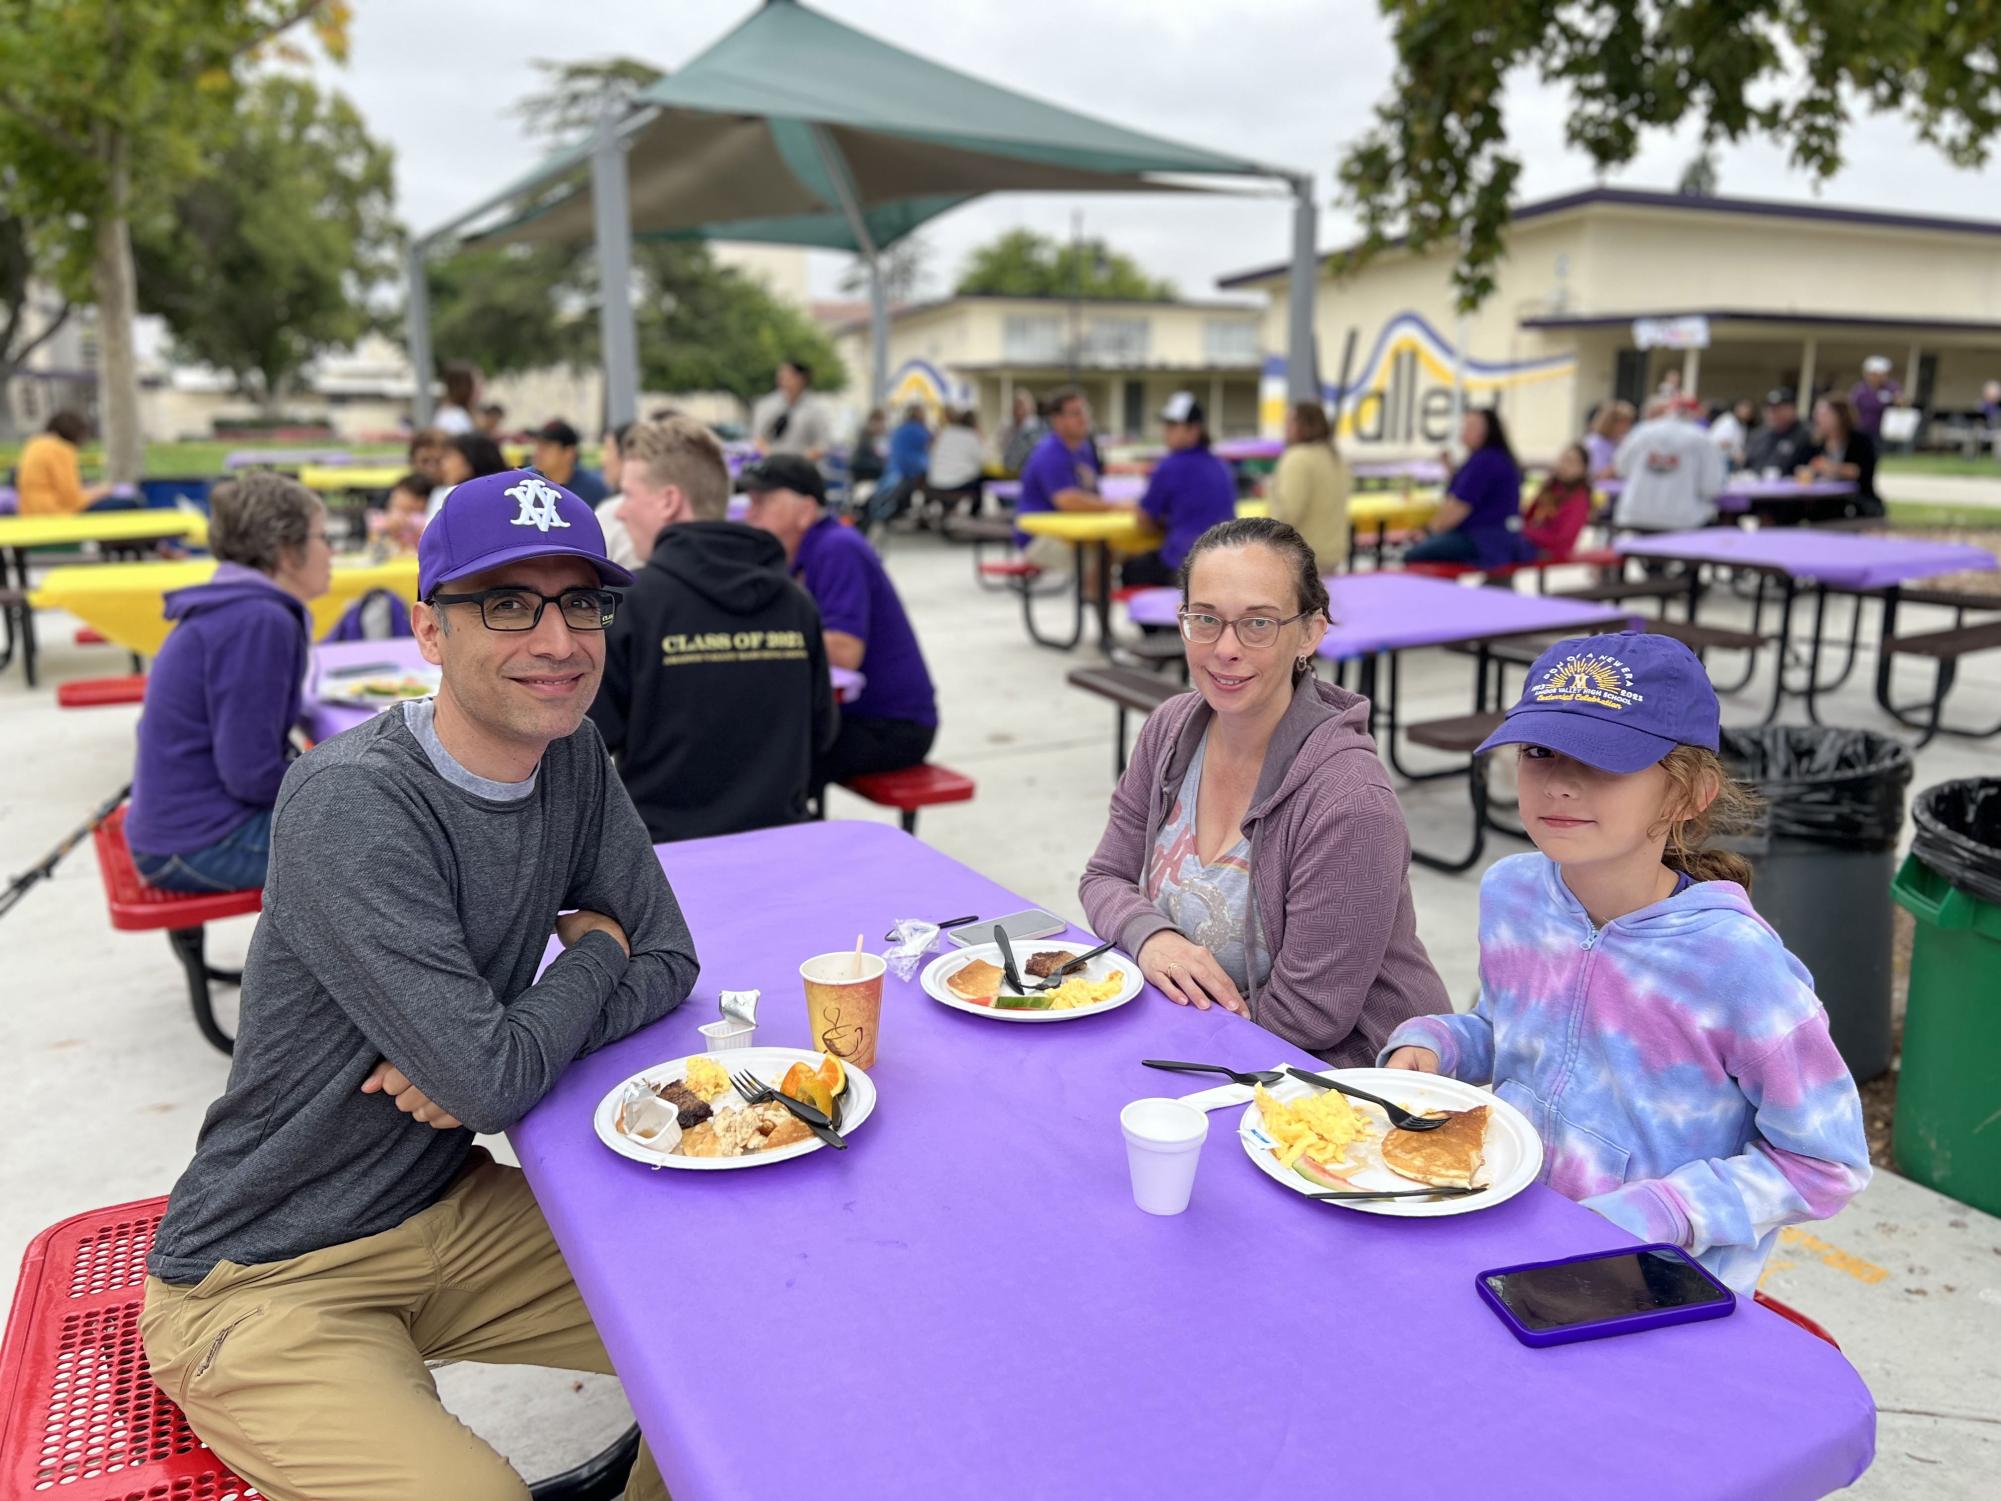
(1668, 1049)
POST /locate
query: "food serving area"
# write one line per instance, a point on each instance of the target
(965, 1299)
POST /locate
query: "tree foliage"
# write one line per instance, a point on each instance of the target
(573, 95)
(903, 266)
(267, 259)
(1436, 165)
(21, 333)
(1026, 263)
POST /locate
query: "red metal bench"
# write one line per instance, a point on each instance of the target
(1794, 1316)
(911, 789)
(82, 1418)
(96, 693)
(137, 908)
(89, 636)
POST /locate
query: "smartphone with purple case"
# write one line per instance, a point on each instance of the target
(1603, 1293)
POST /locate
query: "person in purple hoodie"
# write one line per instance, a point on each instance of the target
(1480, 519)
(1191, 490)
(225, 691)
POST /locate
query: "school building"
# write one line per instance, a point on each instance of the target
(1602, 292)
(1129, 357)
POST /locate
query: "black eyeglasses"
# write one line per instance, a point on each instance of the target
(514, 609)
(1205, 629)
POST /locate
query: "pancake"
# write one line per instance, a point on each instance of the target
(1447, 1157)
(978, 981)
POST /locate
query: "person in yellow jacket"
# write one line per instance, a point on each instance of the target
(48, 477)
(1309, 488)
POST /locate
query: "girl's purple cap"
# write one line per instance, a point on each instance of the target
(1618, 703)
(503, 518)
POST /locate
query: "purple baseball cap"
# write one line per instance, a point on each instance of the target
(502, 518)
(1618, 703)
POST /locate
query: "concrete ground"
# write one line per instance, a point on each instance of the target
(110, 1079)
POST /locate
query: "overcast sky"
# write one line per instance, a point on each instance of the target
(1285, 81)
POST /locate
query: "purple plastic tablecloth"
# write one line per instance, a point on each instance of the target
(1841, 560)
(1378, 612)
(967, 1303)
(322, 721)
(1736, 498)
(1110, 486)
(1419, 471)
(1237, 450)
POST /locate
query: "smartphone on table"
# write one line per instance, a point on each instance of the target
(1017, 925)
(1600, 1294)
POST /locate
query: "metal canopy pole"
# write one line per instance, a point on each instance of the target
(417, 333)
(1302, 379)
(878, 301)
(611, 215)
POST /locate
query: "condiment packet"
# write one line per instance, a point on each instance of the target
(911, 939)
(740, 1006)
(721, 1036)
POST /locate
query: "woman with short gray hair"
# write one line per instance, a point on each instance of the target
(225, 691)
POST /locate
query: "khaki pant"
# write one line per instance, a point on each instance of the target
(307, 1376)
(1051, 554)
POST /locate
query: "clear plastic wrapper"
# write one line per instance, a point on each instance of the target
(911, 938)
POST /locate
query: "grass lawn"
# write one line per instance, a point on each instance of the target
(1906, 513)
(180, 460)
(1982, 466)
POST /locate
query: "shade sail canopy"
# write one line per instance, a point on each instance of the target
(759, 137)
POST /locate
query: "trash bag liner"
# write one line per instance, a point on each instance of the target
(1828, 785)
(1959, 834)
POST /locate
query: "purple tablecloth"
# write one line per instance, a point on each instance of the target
(995, 1318)
(1738, 498)
(1377, 612)
(1237, 450)
(293, 458)
(322, 721)
(1841, 560)
(1110, 486)
(1418, 471)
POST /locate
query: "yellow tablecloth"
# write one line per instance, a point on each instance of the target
(1393, 512)
(124, 601)
(102, 526)
(1122, 531)
(329, 477)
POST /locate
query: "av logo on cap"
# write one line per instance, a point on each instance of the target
(1588, 678)
(538, 500)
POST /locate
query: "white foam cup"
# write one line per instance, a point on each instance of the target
(1163, 1145)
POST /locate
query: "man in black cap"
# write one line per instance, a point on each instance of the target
(892, 722)
(556, 460)
(716, 697)
(1784, 442)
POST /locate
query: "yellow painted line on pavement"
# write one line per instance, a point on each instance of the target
(1865, 1272)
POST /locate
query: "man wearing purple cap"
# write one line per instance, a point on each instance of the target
(337, 1228)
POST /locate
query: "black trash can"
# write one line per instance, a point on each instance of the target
(1824, 855)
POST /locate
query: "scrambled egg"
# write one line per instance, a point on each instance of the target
(1074, 994)
(707, 1078)
(1322, 1126)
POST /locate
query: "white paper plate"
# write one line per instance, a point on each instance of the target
(1099, 969)
(348, 691)
(769, 1064)
(1514, 1151)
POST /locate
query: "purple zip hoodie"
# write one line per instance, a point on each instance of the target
(1675, 1062)
(223, 695)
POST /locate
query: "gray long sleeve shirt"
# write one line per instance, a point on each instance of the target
(405, 914)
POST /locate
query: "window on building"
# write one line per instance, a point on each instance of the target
(1230, 341)
(1034, 339)
(1117, 341)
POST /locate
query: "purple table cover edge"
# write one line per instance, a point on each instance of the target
(1838, 559)
(996, 1318)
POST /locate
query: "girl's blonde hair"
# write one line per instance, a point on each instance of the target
(1691, 770)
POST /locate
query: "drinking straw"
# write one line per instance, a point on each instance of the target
(856, 972)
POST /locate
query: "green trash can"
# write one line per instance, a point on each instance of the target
(1948, 1130)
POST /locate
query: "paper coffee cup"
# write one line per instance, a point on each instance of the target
(1163, 1147)
(844, 1004)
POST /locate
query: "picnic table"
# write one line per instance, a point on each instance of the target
(1094, 536)
(1411, 471)
(1784, 499)
(124, 602)
(367, 478)
(1120, 487)
(966, 1301)
(284, 458)
(1818, 562)
(335, 660)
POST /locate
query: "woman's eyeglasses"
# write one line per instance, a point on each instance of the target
(512, 609)
(1205, 629)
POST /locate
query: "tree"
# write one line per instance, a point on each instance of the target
(18, 337)
(1436, 167)
(903, 267)
(503, 309)
(1025, 263)
(574, 95)
(1698, 178)
(268, 258)
(107, 108)
(705, 327)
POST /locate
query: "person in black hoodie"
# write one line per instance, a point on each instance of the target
(716, 696)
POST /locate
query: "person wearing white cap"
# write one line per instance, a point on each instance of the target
(1872, 394)
(1190, 491)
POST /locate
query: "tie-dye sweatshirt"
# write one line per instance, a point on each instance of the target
(1675, 1062)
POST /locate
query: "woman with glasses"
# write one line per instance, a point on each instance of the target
(1256, 858)
(225, 691)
